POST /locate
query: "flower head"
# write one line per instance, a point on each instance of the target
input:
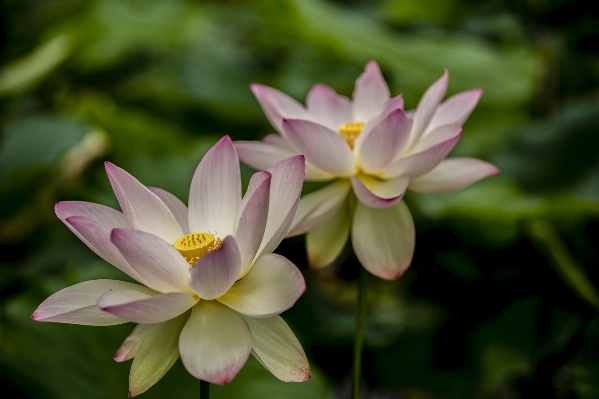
(374, 151)
(211, 288)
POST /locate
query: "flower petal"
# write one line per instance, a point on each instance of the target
(277, 105)
(130, 346)
(215, 192)
(323, 147)
(154, 259)
(157, 353)
(385, 142)
(142, 208)
(377, 193)
(175, 205)
(456, 109)
(452, 174)
(325, 243)
(97, 238)
(77, 304)
(384, 239)
(216, 271)
(272, 286)
(145, 306)
(427, 106)
(370, 93)
(102, 215)
(327, 107)
(215, 343)
(285, 189)
(424, 161)
(253, 215)
(278, 350)
(317, 207)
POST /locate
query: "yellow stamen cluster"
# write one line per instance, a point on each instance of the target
(351, 131)
(194, 246)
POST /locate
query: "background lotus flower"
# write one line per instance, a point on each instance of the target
(212, 288)
(374, 149)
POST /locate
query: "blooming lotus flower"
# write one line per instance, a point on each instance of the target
(211, 288)
(373, 151)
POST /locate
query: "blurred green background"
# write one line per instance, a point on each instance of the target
(501, 299)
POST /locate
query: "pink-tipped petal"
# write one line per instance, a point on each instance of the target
(325, 243)
(157, 353)
(277, 105)
(77, 304)
(327, 107)
(142, 208)
(216, 271)
(215, 343)
(102, 215)
(145, 306)
(384, 239)
(456, 109)
(215, 193)
(261, 155)
(385, 142)
(253, 215)
(370, 93)
(317, 207)
(452, 174)
(275, 346)
(272, 286)
(377, 193)
(323, 147)
(422, 162)
(156, 261)
(129, 347)
(175, 205)
(391, 105)
(427, 106)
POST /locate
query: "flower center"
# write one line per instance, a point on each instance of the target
(350, 131)
(194, 246)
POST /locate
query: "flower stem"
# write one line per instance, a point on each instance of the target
(359, 334)
(204, 389)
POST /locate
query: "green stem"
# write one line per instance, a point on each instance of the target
(359, 335)
(204, 389)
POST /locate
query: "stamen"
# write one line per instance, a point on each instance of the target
(350, 131)
(194, 246)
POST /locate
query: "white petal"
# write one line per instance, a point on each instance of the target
(370, 93)
(327, 107)
(452, 174)
(318, 207)
(142, 208)
(129, 348)
(175, 205)
(385, 142)
(157, 353)
(145, 306)
(77, 304)
(323, 147)
(215, 193)
(165, 269)
(277, 105)
(384, 239)
(391, 105)
(215, 343)
(427, 106)
(272, 286)
(216, 271)
(456, 109)
(102, 215)
(377, 193)
(325, 243)
(277, 348)
(253, 215)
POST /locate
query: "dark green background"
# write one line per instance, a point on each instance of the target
(500, 301)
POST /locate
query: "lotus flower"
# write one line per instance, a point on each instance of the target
(373, 151)
(211, 288)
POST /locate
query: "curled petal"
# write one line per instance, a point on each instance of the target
(384, 239)
(427, 106)
(456, 109)
(370, 93)
(175, 205)
(452, 174)
(377, 193)
(275, 346)
(325, 243)
(327, 107)
(215, 343)
(130, 346)
(277, 105)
